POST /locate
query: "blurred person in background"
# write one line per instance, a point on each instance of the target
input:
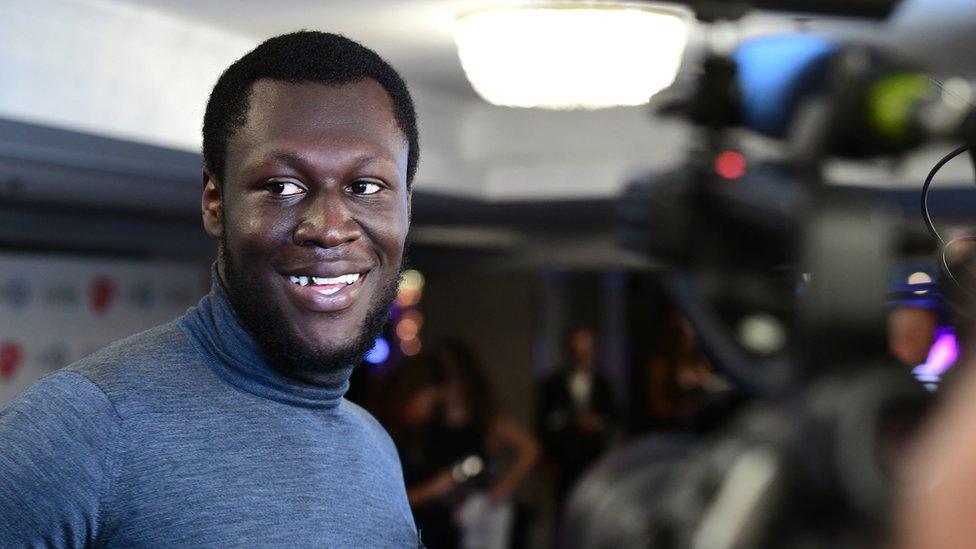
(678, 389)
(576, 413)
(914, 314)
(463, 458)
(911, 332)
(475, 426)
(411, 408)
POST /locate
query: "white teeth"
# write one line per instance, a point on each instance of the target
(343, 279)
(347, 279)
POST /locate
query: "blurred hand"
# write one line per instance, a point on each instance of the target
(433, 489)
(591, 423)
(937, 509)
(499, 493)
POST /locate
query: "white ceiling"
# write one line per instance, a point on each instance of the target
(415, 34)
(141, 70)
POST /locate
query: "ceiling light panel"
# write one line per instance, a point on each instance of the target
(570, 56)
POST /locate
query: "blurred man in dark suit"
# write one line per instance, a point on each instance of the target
(576, 413)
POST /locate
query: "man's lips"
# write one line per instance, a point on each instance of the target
(325, 293)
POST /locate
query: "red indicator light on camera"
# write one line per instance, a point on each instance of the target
(730, 165)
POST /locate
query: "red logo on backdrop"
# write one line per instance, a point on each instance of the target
(11, 355)
(102, 293)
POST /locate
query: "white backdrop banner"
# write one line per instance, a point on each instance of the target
(56, 309)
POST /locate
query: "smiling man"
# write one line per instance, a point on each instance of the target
(227, 427)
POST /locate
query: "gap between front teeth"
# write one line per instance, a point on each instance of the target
(347, 279)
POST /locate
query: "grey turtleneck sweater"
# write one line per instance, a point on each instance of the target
(182, 436)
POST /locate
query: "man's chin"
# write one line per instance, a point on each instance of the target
(321, 356)
(324, 353)
(318, 366)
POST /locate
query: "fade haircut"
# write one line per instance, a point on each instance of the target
(298, 57)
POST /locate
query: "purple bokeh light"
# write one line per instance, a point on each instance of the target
(379, 353)
(942, 355)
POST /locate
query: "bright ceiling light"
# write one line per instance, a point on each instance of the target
(570, 55)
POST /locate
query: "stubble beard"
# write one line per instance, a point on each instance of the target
(287, 353)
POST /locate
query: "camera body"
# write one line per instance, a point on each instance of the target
(811, 461)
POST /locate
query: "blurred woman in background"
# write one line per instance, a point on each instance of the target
(463, 459)
(678, 389)
(410, 409)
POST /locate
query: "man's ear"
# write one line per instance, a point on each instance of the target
(212, 206)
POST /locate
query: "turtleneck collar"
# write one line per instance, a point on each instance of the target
(236, 357)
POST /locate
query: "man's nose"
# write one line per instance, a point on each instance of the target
(326, 223)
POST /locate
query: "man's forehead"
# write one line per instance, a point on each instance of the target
(350, 100)
(294, 115)
(277, 108)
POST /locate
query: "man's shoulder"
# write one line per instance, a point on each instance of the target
(370, 425)
(363, 417)
(137, 361)
(63, 394)
(165, 342)
(96, 390)
(59, 450)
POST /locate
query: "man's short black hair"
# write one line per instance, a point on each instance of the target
(304, 56)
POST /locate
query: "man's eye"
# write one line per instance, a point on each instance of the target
(364, 187)
(284, 188)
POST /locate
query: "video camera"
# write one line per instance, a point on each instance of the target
(785, 280)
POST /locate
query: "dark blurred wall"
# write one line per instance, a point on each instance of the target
(496, 313)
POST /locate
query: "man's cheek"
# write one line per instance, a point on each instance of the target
(390, 235)
(256, 242)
